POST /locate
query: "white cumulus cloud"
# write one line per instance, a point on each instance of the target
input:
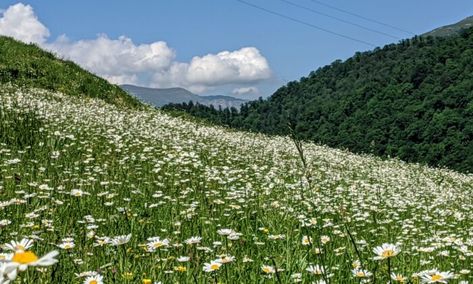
(20, 22)
(152, 64)
(115, 59)
(245, 65)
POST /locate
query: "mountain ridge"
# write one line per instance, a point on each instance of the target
(163, 96)
(453, 29)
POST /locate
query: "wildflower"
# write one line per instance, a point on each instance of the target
(212, 266)
(435, 276)
(306, 240)
(67, 245)
(386, 251)
(147, 281)
(226, 259)
(22, 245)
(315, 269)
(23, 259)
(180, 268)
(120, 240)
(398, 278)
(234, 236)
(86, 274)
(156, 243)
(193, 240)
(268, 269)
(101, 241)
(324, 239)
(8, 272)
(78, 193)
(94, 279)
(361, 273)
(226, 232)
(183, 259)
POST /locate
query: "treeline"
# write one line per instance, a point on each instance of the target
(412, 100)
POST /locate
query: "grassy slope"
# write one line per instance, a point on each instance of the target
(147, 174)
(30, 66)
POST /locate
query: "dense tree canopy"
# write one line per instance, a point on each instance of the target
(412, 100)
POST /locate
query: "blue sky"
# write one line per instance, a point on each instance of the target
(199, 27)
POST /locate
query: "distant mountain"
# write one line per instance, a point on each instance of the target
(161, 97)
(453, 29)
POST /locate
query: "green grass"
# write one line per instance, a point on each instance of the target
(149, 174)
(27, 65)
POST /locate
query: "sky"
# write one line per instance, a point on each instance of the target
(242, 48)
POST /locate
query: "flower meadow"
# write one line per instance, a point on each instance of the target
(93, 193)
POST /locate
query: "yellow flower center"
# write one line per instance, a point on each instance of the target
(360, 274)
(214, 266)
(93, 282)
(24, 257)
(436, 277)
(266, 270)
(388, 253)
(158, 245)
(181, 268)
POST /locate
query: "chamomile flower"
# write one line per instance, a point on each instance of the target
(226, 259)
(212, 266)
(8, 272)
(386, 251)
(156, 243)
(268, 269)
(120, 240)
(183, 259)
(193, 240)
(435, 276)
(94, 279)
(398, 278)
(67, 245)
(225, 232)
(306, 240)
(23, 259)
(361, 273)
(22, 245)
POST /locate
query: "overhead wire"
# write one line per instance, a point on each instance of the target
(306, 23)
(362, 17)
(338, 19)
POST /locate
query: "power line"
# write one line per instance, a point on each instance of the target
(362, 17)
(306, 23)
(339, 19)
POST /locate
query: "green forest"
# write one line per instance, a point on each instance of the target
(412, 100)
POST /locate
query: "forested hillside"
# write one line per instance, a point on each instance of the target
(412, 100)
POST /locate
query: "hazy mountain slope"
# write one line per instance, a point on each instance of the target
(30, 66)
(451, 29)
(161, 97)
(412, 100)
